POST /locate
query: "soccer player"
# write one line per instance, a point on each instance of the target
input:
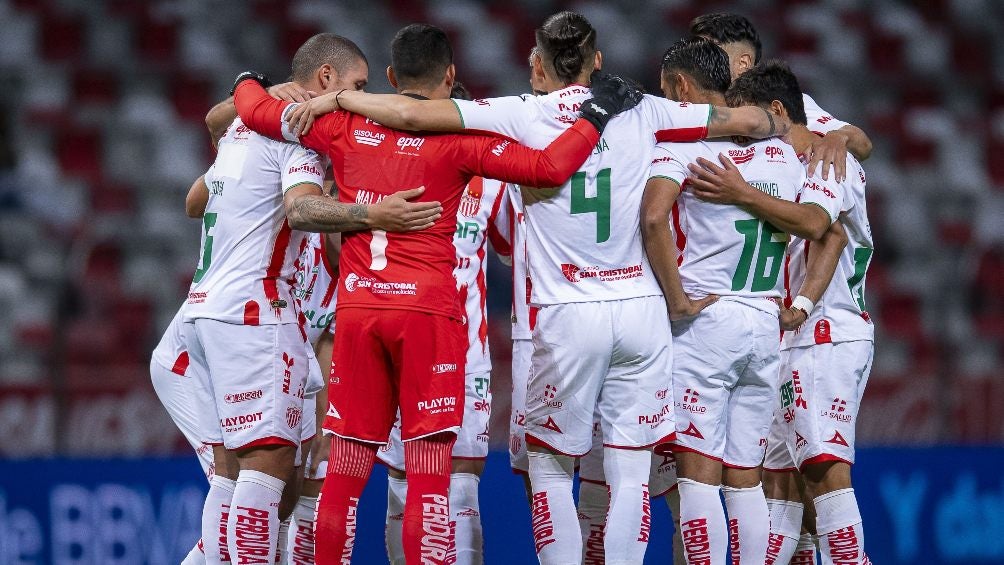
(399, 335)
(594, 277)
(826, 363)
(741, 42)
(726, 357)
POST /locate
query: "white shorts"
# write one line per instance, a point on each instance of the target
(177, 394)
(472, 438)
(725, 367)
(522, 350)
(662, 477)
(256, 378)
(821, 389)
(609, 358)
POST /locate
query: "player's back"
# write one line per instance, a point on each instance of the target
(248, 248)
(584, 238)
(725, 250)
(841, 314)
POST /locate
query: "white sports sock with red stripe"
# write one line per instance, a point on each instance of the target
(785, 526)
(466, 512)
(397, 493)
(805, 551)
(593, 502)
(195, 557)
(301, 544)
(253, 525)
(282, 542)
(629, 520)
(556, 534)
(838, 524)
(214, 520)
(702, 523)
(749, 524)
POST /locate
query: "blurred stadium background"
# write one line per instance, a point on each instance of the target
(101, 133)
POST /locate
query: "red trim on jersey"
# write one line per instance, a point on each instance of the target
(784, 470)
(270, 440)
(498, 241)
(666, 439)
(274, 269)
(682, 134)
(483, 300)
(824, 458)
(681, 238)
(531, 440)
(685, 449)
(533, 309)
(251, 313)
(180, 364)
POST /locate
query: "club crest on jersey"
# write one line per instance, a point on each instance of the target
(470, 202)
(371, 138)
(740, 156)
(293, 415)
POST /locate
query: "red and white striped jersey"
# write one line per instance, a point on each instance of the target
(170, 352)
(248, 249)
(818, 120)
(481, 218)
(316, 286)
(521, 284)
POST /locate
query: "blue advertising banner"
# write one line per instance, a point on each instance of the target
(921, 506)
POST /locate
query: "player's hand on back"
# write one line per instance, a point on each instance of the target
(290, 92)
(611, 96)
(792, 319)
(303, 116)
(690, 307)
(831, 151)
(718, 183)
(396, 214)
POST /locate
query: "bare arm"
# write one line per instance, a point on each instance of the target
(746, 121)
(392, 110)
(726, 185)
(818, 272)
(832, 148)
(660, 246)
(197, 198)
(307, 209)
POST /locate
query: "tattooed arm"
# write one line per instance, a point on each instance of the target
(747, 121)
(308, 210)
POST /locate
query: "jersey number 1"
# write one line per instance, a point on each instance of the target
(760, 240)
(599, 204)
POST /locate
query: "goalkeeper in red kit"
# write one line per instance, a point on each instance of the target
(400, 341)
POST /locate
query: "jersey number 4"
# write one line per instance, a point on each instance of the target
(599, 204)
(761, 241)
(208, 222)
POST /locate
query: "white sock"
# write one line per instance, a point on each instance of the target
(702, 523)
(397, 492)
(838, 525)
(592, 511)
(195, 557)
(556, 534)
(282, 542)
(749, 523)
(805, 551)
(214, 520)
(629, 520)
(785, 527)
(300, 550)
(253, 526)
(466, 511)
(673, 502)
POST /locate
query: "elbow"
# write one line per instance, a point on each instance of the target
(839, 235)
(651, 224)
(193, 211)
(298, 223)
(817, 230)
(865, 151)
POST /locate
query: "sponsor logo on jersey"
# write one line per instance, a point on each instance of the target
(574, 273)
(547, 397)
(595, 553)
(441, 368)
(662, 160)
(740, 156)
(350, 282)
(691, 402)
(601, 146)
(438, 405)
(333, 412)
(774, 153)
(242, 132)
(767, 187)
(469, 513)
(696, 544)
(800, 441)
(543, 525)
(500, 148)
(436, 528)
(287, 372)
(797, 385)
(293, 415)
(242, 396)
(367, 137)
(824, 119)
(552, 425)
(197, 297)
(813, 185)
(654, 419)
(661, 394)
(837, 439)
(481, 405)
(574, 108)
(837, 411)
(482, 102)
(305, 168)
(774, 543)
(216, 188)
(692, 431)
(415, 143)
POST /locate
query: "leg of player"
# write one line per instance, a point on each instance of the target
(749, 518)
(805, 551)
(426, 530)
(785, 505)
(349, 468)
(838, 520)
(673, 502)
(253, 524)
(465, 510)
(397, 493)
(522, 350)
(594, 499)
(556, 534)
(629, 519)
(702, 518)
(301, 543)
(216, 512)
(287, 504)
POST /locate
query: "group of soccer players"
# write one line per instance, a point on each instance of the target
(652, 273)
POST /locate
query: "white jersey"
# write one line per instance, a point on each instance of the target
(584, 238)
(170, 352)
(315, 287)
(248, 248)
(725, 250)
(840, 315)
(818, 120)
(480, 219)
(521, 283)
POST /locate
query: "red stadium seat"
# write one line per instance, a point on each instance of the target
(900, 315)
(155, 40)
(192, 96)
(62, 38)
(93, 86)
(79, 152)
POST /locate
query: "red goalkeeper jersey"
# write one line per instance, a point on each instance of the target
(412, 271)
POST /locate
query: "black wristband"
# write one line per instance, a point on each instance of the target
(250, 75)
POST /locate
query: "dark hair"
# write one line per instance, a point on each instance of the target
(765, 83)
(325, 48)
(420, 55)
(460, 91)
(725, 28)
(701, 59)
(568, 41)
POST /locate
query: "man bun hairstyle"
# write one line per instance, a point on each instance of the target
(725, 28)
(701, 59)
(568, 42)
(420, 55)
(769, 81)
(325, 48)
